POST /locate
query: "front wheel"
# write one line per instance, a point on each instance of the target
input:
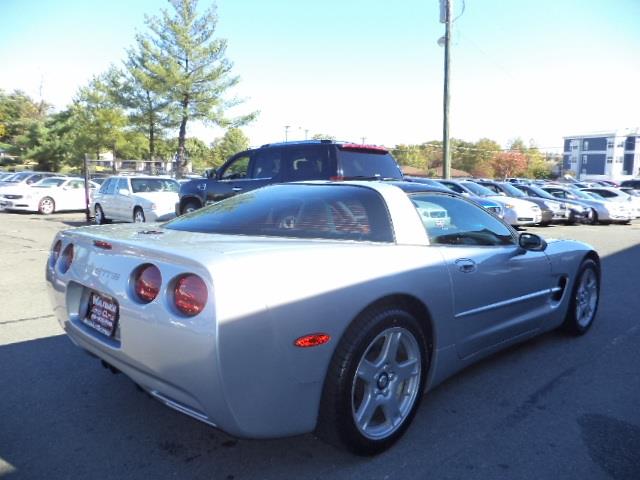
(584, 301)
(594, 217)
(99, 215)
(189, 207)
(138, 215)
(46, 206)
(374, 383)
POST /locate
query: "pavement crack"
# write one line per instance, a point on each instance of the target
(7, 322)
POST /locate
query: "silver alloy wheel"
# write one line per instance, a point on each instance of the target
(386, 383)
(138, 216)
(586, 297)
(47, 206)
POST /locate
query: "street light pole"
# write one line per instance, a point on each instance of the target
(286, 133)
(445, 10)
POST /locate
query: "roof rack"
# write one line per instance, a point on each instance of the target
(297, 142)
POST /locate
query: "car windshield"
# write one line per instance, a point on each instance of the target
(478, 189)
(584, 195)
(512, 191)
(19, 177)
(540, 192)
(594, 195)
(334, 212)
(49, 182)
(142, 185)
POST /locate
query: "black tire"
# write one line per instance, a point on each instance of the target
(99, 218)
(594, 217)
(138, 215)
(585, 297)
(46, 206)
(571, 220)
(190, 206)
(345, 393)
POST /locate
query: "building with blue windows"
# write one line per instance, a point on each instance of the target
(603, 156)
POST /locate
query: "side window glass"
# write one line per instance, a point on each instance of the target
(267, 163)
(454, 187)
(454, 221)
(105, 186)
(123, 184)
(239, 168)
(76, 184)
(308, 164)
(33, 179)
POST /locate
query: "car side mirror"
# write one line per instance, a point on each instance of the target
(123, 191)
(532, 242)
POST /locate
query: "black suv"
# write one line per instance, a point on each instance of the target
(288, 162)
(635, 184)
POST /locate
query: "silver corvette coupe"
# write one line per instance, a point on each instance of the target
(314, 306)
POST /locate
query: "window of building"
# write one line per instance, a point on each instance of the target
(609, 143)
(609, 159)
(585, 145)
(584, 159)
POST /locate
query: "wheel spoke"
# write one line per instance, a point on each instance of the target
(391, 410)
(389, 351)
(367, 409)
(366, 371)
(407, 370)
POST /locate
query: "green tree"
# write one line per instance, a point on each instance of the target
(322, 136)
(21, 121)
(97, 120)
(182, 55)
(233, 141)
(509, 164)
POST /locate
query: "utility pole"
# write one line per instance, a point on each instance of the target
(286, 133)
(363, 140)
(85, 168)
(445, 17)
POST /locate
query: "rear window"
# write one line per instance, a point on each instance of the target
(333, 212)
(364, 163)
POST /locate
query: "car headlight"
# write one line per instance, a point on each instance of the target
(508, 205)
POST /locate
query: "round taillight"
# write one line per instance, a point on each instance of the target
(147, 283)
(66, 258)
(190, 295)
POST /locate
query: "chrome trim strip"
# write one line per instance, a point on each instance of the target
(181, 408)
(504, 303)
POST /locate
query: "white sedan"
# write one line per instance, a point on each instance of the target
(616, 195)
(50, 195)
(136, 199)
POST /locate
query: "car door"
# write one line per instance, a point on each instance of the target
(106, 197)
(245, 172)
(123, 200)
(500, 291)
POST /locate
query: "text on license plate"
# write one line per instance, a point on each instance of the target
(102, 314)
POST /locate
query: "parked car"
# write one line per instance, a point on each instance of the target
(52, 194)
(516, 212)
(484, 202)
(617, 195)
(574, 211)
(601, 210)
(25, 178)
(288, 162)
(135, 199)
(552, 210)
(317, 306)
(635, 184)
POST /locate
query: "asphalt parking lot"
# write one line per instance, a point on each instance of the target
(554, 407)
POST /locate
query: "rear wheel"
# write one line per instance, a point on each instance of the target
(46, 206)
(374, 383)
(190, 207)
(99, 215)
(584, 299)
(594, 217)
(138, 215)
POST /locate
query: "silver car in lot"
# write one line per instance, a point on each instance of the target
(602, 211)
(314, 306)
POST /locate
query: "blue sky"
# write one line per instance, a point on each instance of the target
(353, 68)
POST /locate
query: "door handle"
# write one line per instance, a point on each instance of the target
(237, 189)
(466, 265)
